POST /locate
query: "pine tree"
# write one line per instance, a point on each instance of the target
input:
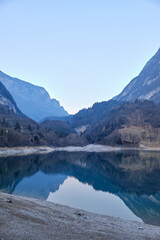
(17, 126)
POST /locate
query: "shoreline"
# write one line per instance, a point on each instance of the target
(37, 219)
(20, 151)
(103, 148)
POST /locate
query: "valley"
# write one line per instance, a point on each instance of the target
(80, 120)
(123, 121)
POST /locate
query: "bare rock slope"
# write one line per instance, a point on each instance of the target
(7, 100)
(146, 85)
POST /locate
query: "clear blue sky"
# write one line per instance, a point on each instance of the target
(81, 51)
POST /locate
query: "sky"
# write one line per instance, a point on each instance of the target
(81, 51)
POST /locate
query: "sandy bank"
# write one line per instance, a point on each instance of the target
(22, 218)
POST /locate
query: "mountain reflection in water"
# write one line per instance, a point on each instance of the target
(131, 177)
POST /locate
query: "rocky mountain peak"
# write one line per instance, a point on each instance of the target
(146, 85)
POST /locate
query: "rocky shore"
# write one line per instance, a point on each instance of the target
(20, 151)
(23, 218)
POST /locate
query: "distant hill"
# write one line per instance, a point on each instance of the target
(71, 130)
(93, 114)
(32, 100)
(131, 124)
(146, 85)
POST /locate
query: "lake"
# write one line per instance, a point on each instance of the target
(121, 184)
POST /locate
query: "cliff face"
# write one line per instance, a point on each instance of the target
(7, 101)
(32, 100)
(146, 85)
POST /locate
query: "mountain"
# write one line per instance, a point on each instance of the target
(32, 100)
(146, 85)
(122, 121)
(16, 129)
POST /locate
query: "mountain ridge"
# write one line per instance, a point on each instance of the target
(126, 120)
(32, 100)
(146, 85)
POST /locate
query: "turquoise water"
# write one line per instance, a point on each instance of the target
(121, 184)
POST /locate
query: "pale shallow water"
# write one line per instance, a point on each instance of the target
(125, 185)
(78, 195)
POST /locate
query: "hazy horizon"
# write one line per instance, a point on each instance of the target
(81, 52)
